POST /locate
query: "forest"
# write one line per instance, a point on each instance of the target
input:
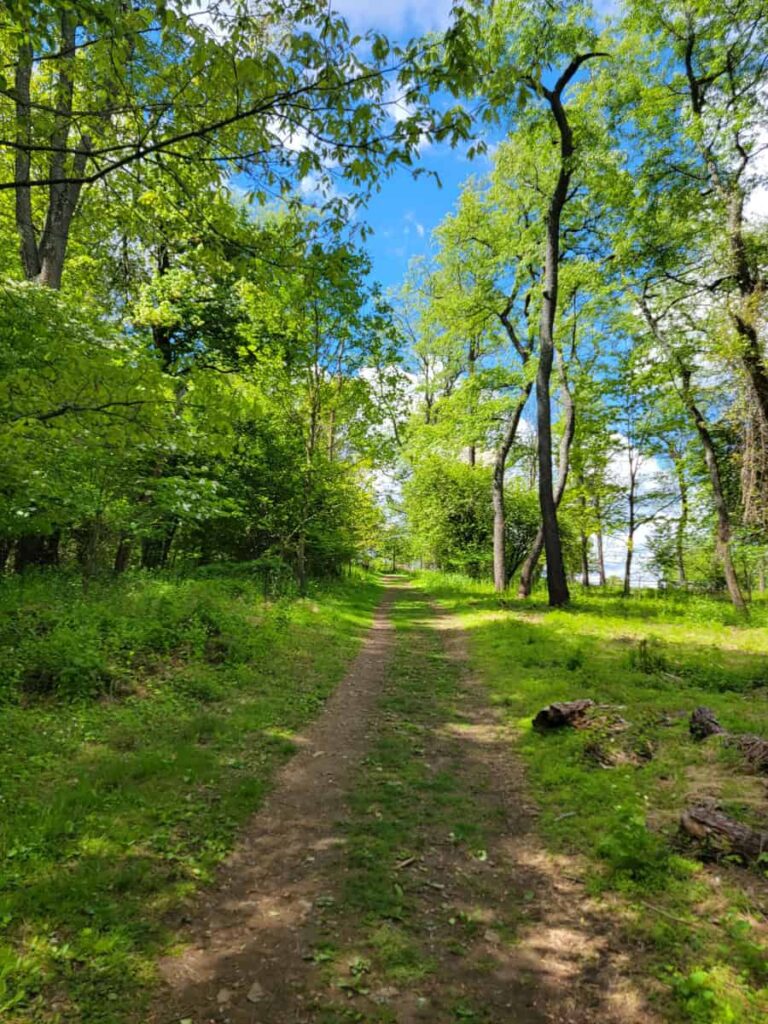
(383, 511)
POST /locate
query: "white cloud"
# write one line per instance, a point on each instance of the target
(396, 16)
(412, 222)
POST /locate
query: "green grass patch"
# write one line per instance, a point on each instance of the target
(117, 804)
(652, 659)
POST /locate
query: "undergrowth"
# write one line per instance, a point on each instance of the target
(142, 724)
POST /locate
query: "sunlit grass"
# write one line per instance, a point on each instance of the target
(652, 659)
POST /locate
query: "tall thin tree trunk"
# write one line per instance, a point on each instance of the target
(682, 522)
(599, 543)
(6, 547)
(155, 550)
(557, 584)
(585, 560)
(301, 563)
(723, 537)
(569, 428)
(634, 467)
(122, 554)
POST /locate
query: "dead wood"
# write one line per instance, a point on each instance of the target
(754, 749)
(703, 724)
(720, 836)
(571, 712)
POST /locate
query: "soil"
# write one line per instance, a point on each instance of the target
(246, 961)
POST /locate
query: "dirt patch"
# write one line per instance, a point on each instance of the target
(244, 956)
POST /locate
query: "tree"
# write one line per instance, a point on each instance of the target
(272, 90)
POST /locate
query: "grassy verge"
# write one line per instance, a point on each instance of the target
(140, 726)
(653, 660)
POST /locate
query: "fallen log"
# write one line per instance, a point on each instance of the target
(721, 836)
(569, 712)
(754, 749)
(703, 724)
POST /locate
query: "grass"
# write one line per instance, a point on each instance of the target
(653, 659)
(142, 724)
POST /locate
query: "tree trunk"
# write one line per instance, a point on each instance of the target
(122, 554)
(599, 542)
(723, 539)
(37, 551)
(743, 314)
(6, 547)
(570, 712)
(499, 513)
(301, 563)
(585, 559)
(721, 836)
(682, 522)
(632, 526)
(43, 260)
(557, 584)
(569, 428)
(155, 550)
(87, 547)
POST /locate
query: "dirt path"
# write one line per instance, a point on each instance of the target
(244, 960)
(320, 919)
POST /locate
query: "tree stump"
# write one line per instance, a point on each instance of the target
(721, 836)
(703, 724)
(570, 712)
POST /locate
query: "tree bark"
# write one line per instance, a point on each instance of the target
(743, 314)
(585, 560)
(682, 522)
(631, 526)
(721, 836)
(599, 541)
(6, 547)
(569, 428)
(122, 554)
(155, 550)
(43, 260)
(557, 584)
(721, 506)
(561, 713)
(301, 563)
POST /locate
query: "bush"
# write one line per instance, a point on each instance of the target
(635, 854)
(58, 642)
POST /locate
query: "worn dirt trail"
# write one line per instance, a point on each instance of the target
(248, 958)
